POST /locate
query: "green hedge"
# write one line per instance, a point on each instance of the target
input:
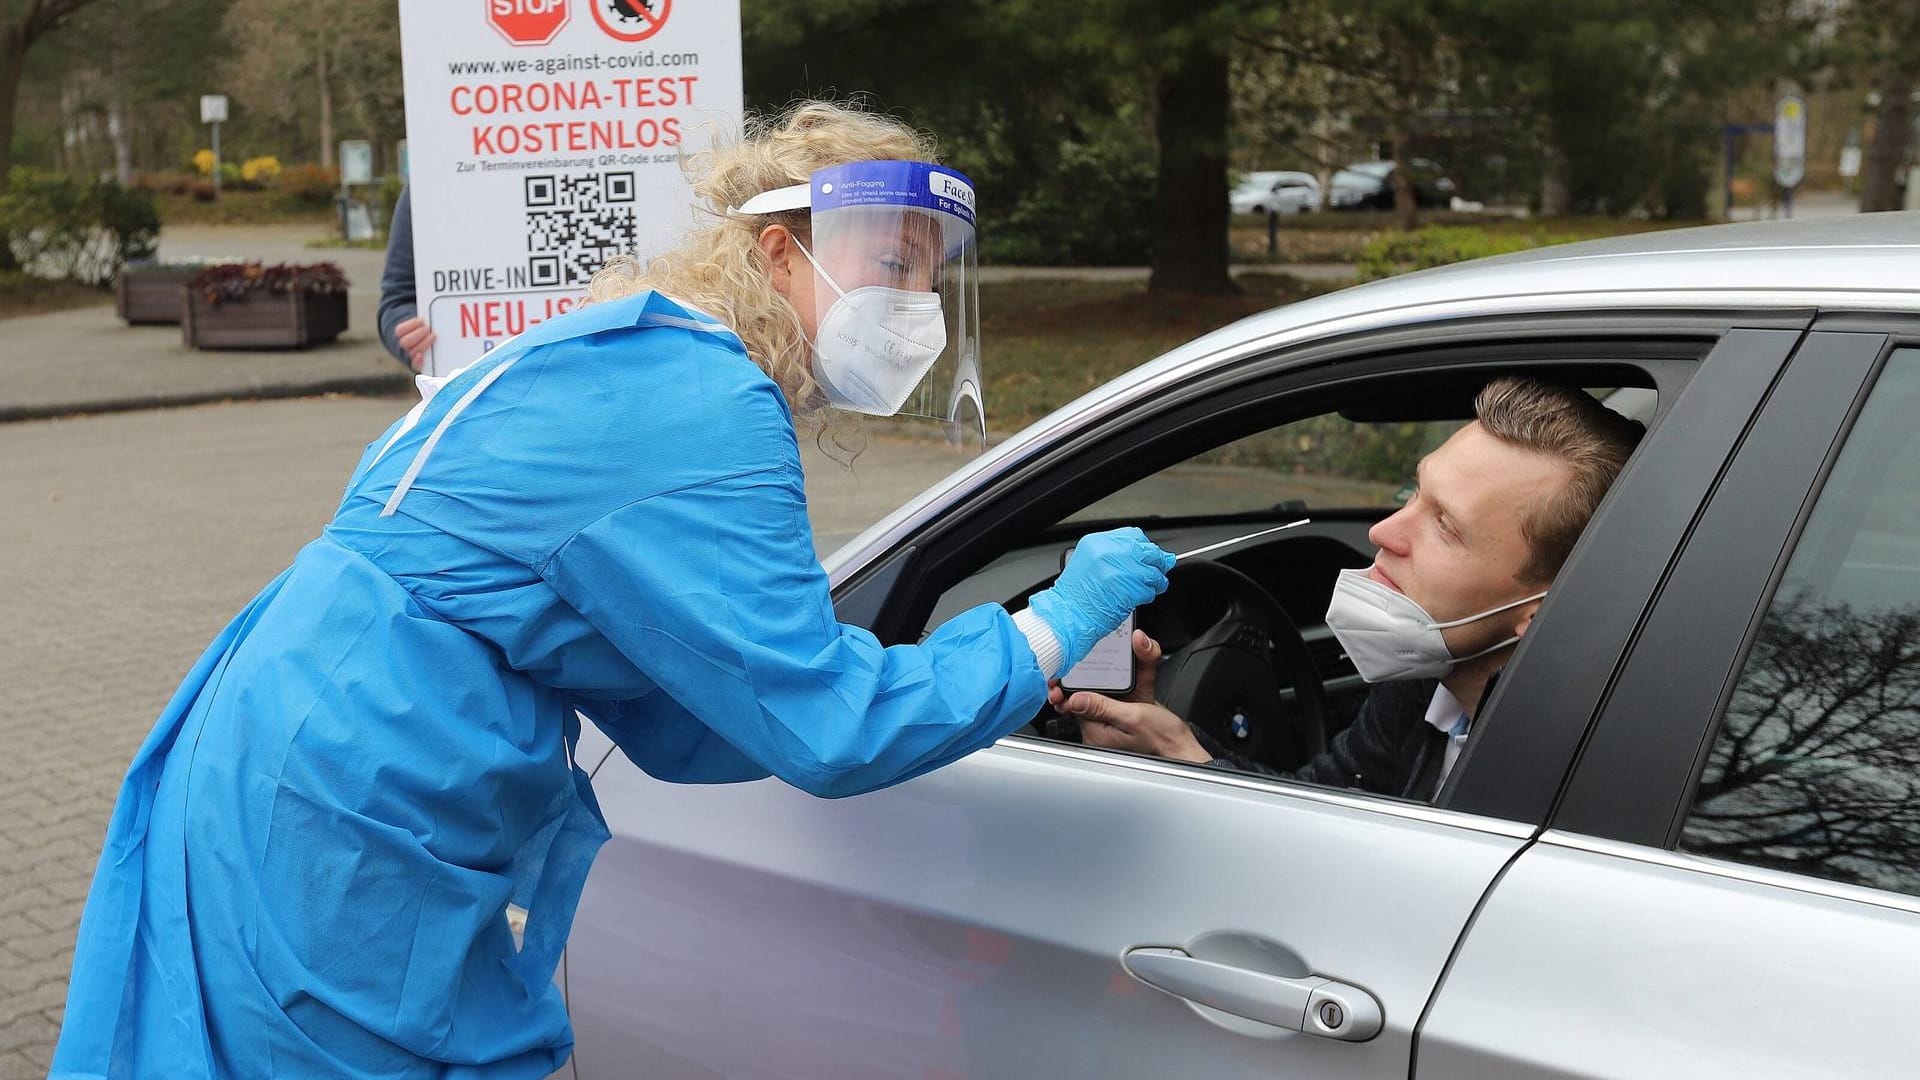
(1403, 252)
(77, 230)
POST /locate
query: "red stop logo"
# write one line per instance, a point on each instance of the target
(527, 22)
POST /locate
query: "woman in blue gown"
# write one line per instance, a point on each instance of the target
(308, 866)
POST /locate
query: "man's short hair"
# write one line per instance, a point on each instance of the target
(1568, 424)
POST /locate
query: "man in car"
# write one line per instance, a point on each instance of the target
(1461, 570)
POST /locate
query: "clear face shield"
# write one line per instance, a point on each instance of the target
(895, 292)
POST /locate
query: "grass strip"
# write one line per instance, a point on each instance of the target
(1048, 341)
(24, 294)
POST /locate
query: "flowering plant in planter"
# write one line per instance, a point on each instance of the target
(234, 281)
(250, 306)
(151, 291)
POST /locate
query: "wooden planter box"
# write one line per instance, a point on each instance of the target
(152, 296)
(264, 320)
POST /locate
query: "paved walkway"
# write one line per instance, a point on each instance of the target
(86, 360)
(1812, 204)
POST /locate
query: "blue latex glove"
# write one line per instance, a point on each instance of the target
(1109, 575)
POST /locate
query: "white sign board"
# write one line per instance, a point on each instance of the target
(546, 136)
(1790, 141)
(356, 161)
(1849, 161)
(213, 108)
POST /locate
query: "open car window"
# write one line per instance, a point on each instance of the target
(1324, 462)
(1252, 667)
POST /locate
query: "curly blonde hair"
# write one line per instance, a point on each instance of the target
(719, 267)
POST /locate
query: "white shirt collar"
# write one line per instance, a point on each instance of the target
(1443, 712)
(1444, 709)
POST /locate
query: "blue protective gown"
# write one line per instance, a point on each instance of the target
(308, 865)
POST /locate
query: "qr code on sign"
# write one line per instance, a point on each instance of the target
(575, 224)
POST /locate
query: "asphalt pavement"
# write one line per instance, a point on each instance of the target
(87, 361)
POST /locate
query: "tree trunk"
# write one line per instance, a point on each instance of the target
(117, 101)
(1406, 198)
(326, 113)
(1325, 162)
(13, 54)
(1556, 196)
(1190, 247)
(1887, 153)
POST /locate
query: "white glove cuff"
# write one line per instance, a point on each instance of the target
(1046, 645)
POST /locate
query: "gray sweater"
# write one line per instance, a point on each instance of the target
(397, 300)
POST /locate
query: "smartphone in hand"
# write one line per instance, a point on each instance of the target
(1108, 666)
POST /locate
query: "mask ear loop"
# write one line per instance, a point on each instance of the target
(1514, 640)
(821, 270)
(824, 276)
(1490, 611)
(1494, 648)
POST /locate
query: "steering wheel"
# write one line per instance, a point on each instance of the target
(1228, 644)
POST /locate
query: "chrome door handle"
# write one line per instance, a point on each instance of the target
(1314, 1005)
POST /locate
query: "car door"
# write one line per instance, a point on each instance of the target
(1045, 910)
(1731, 884)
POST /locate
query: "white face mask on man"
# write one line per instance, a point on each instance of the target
(875, 344)
(1388, 636)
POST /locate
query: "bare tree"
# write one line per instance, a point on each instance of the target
(1388, 59)
(1816, 769)
(308, 67)
(1288, 112)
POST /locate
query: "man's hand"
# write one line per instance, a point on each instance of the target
(1137, 722)
(415, 338)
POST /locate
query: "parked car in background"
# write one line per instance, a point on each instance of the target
(1682, 840)
(1276, 192)
(1368, 185)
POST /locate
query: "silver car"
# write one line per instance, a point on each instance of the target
(1684, 839)
(1275, 192)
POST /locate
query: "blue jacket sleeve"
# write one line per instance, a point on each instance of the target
(713, 591)
(398, 299)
